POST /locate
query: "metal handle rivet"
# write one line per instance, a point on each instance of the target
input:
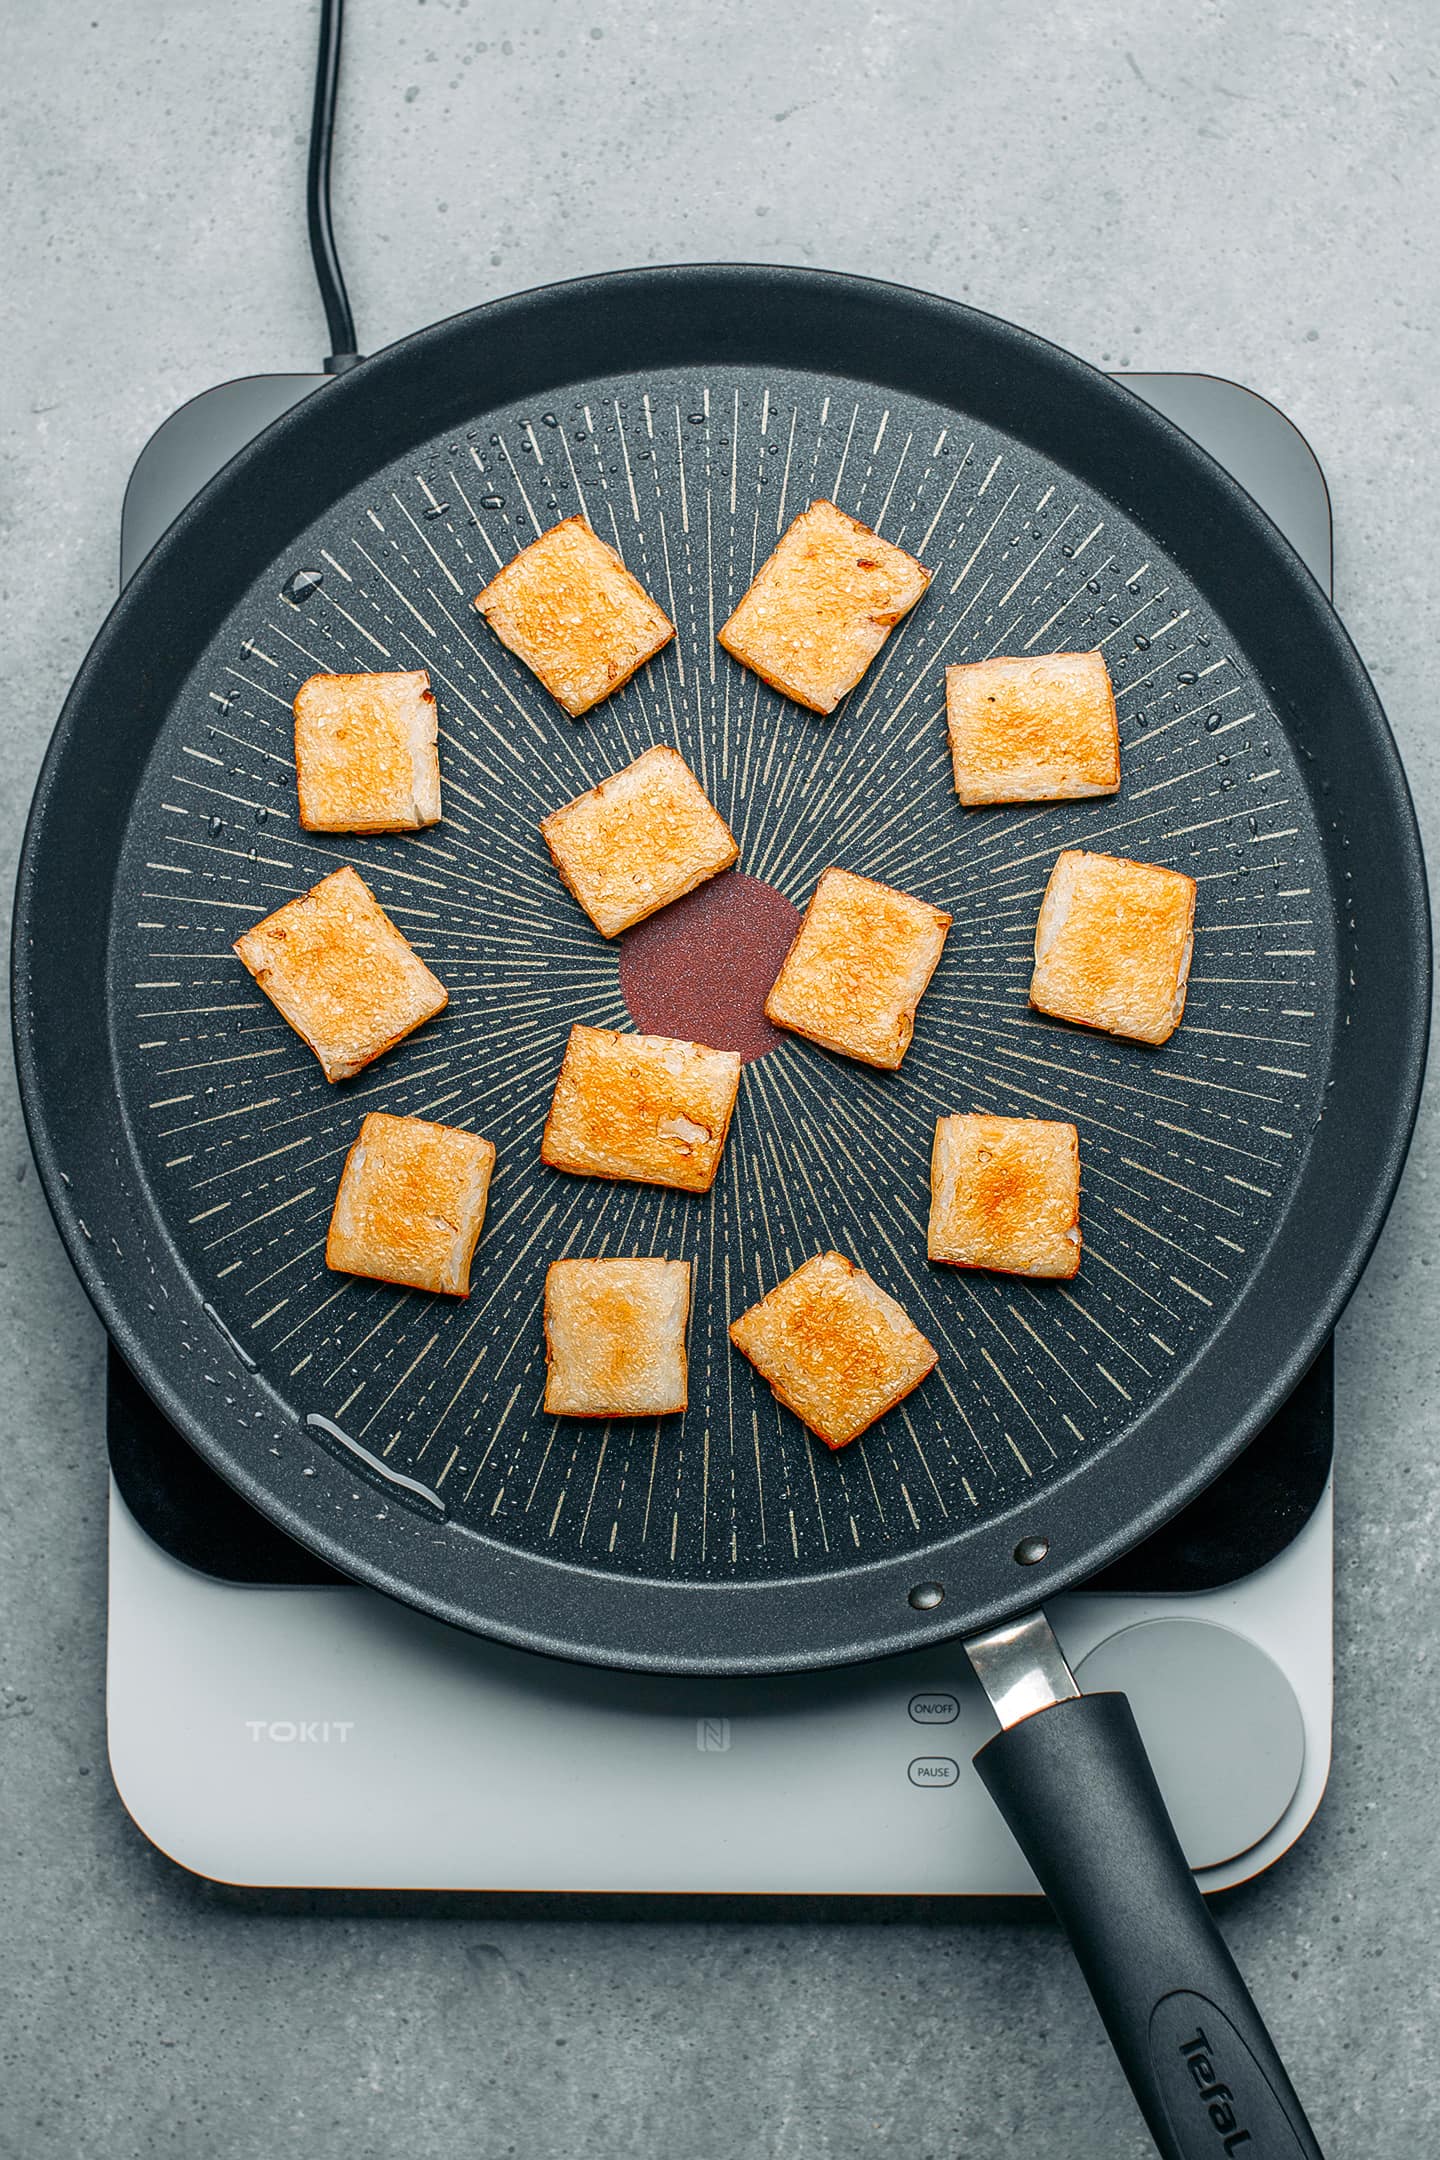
(1031, 1549)
(927, 1595)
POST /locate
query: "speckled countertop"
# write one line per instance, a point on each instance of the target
(1252, 190)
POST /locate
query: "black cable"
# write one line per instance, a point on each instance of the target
(317, 195)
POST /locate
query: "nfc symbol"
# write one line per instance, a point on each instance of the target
(712, 1735)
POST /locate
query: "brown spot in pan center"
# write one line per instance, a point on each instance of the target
(702, 968)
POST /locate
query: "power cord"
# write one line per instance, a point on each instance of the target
(328, 273)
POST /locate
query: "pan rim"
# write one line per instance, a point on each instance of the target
(822, 1644)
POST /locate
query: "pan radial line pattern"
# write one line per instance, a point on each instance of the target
(692, 478)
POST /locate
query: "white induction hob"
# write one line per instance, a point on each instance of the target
(317, 1734)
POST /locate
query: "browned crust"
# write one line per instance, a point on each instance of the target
(517, 590)
(375, 976)
(773, 681)
(1020, 1191)
(685, 797)
(554, 1359)
(786, 594)
(416, 1180)
(816, 1316)
(1059, 725)
(796, 1007)
(571, 1100)
(835, 1440)
(319, 778)
(1093, 969)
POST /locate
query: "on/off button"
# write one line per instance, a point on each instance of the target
(934, 1770)
(934, 1709)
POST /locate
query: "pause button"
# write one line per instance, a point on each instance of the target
(934, 1770)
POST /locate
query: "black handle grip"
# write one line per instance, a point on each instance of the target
(1075, 1785)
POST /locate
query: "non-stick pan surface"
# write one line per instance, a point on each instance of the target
(1233, 1182)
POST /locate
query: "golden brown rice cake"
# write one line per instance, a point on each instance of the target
(644, 837)
(411, 1204)
(567, 606)
(1005, 1194)
(1033, 730)
(340, 972)
(615, 1337)
(858, 968)
(365, 755)
(822, 607)
(836, 1348)
(1113, 945)
(646, 1107)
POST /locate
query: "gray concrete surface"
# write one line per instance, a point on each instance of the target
(1248, 188)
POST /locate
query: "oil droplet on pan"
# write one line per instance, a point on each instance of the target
(301, 586)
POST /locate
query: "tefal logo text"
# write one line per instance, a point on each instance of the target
(1217, 2097)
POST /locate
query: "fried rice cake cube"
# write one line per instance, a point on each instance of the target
(615, 1337)
(650, 1108)
(411, 1204)
(822, 606)
(365, 753)
(1113, 944)
(836, 1349)
(336, 967)
(1005, 1195)
(645, 836)
(1037, 729)
(567, 606)
(854, 977)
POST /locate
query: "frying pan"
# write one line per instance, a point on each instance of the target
(1234, 1182)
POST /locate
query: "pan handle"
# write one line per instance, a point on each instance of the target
(1070, 1775)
